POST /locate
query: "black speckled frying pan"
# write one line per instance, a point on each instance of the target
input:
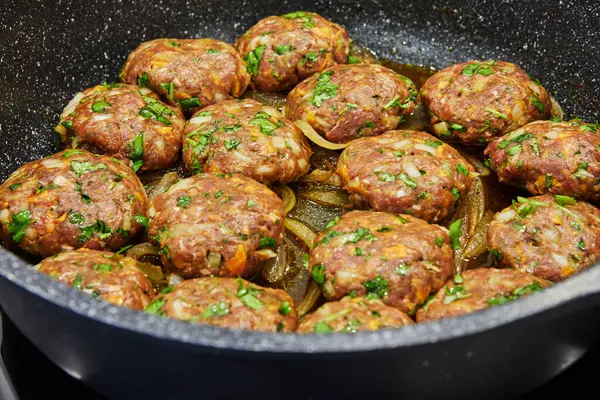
(50, 50)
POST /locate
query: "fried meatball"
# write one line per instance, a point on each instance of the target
(477, 101)
(216, 224)
(398, 258)
(69, 200)
(126, 122)
(405, 172)
(353, 315)
(228, 302)
(107, 276)
(248, 138)
(550, 157)
(193, 73)
(549, 236)
(478, 289)
(347, 102)
(281, 51)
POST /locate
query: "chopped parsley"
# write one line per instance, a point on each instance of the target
(332, 223)
(455, 193)
(537, 104)
(15, 186)
(231, 144)
(455, 229)
(212, 51)
(143, 81)
(581, 245)
(76, 218)
(136, 152)
(70, 152)
(564, 200)
(267, 242)
(461, 169)
(155, 110)
(216, 310)
(481, 69)
(377, 286)
(100, 106)
(285, 308)
(548, 181)
(141, 219)
(318, 274)
(439, 241)
(155, 307)
(253, 59)
(358, 251)
(283, 49)
(169, 89)
(456, 292)
(173, 43)
(402, 269)
(104, 268)
(266, 126)
(387, 177)
(353, 60)
(496, 113)
(515, 294)
(497, 254)
(192, 102)
(322, 327)
(183, 201)
(82, 167)
(528, 206)
(324, 90)
(248, 295)
(302, 17)
(18, 224)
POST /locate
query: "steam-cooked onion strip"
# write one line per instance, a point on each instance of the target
(157, 187)
(287, 195)
(301, 231)
(317, 139)
(142, 250)
(153, 272)
(310, 298)
(331, 198)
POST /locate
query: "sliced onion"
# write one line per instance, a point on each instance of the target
(477, 243)
(561, 259)
(416, 121)
(505, 216)
(402, 144)
(200, 119)
(274, 269)
(325, 177)
(153, 272)
(424, 147)
(317, 139)
(552, 134)
(329, 198)
(142, 250)
(440, 127)
(287, 195)
(71, 105)
(301, 231)
(174, 279)
(52, 163)
(155, 188)
(272, 112)
(411, 170)
(312, 295)
(275, 100)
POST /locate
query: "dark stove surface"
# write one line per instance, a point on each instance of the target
(35, 377)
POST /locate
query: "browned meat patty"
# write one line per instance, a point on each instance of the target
(248, 138)
(478, 101)
(126, 122)
(281, 51)
(549, 236)
(478, 289)
(398, 258)
(193, 73)
(405, 172)
(69, 200)
(228, 302)
(216, 224)
(107, 276)
(353, 315)
(347, 102)
(550, 157)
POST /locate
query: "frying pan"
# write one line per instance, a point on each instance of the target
(51, 51)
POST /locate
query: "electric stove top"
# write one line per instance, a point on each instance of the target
(35, 377)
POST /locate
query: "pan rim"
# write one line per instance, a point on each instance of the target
(20, 273)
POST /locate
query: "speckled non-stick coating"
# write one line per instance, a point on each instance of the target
(51, 50)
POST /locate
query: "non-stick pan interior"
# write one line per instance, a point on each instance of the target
(50, 50)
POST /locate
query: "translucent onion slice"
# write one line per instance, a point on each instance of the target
(301, 231)
(556, 111)
(324, 177)
(142, 250)
(153, 272)
(329, 198)
(287, 195)
(317, 139)
(312, 295)
(155, 188)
